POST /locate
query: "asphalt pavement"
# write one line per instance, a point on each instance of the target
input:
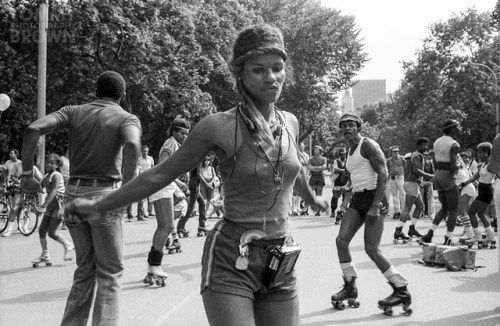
(37, 296)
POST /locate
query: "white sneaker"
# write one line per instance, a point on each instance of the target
(8, 231)
(157, 271)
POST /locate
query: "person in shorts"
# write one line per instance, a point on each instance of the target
(256, 145)
(446, 150)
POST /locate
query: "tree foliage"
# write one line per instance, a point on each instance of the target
(173, 55)
(446, 81)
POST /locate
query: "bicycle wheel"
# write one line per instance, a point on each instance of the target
(4, 214)
(27, 219)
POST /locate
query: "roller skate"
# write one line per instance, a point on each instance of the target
(68, 250)
(490, 240)
(426, 238)
(175, 246)
(477, 240)
(155, 274)
(202, 232)
(183, 233)
(399, 235)
(44, 258)
(340, 215)
(349, 292)
(412, 232)
(400, 296)
(448, 241)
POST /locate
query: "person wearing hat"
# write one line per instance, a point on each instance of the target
(414, 173)
(340, 177)
(317, 167)
(255, 144)
(104, 146)
(446, 149)
(395, 183)
(368, 177)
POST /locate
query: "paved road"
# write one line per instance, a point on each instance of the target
(30, 296)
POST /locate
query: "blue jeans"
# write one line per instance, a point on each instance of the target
(99, 251)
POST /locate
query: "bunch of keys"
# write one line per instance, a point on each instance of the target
(247, 237)
(242, 260)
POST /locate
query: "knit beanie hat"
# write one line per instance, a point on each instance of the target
(253, 41)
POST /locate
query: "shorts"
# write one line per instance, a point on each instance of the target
(167, 192)
(485, 193)
(444, 180)
(362, 201)
(54, 209)
(411, 188)
(469, 190)
(317, 180)
(219, 273)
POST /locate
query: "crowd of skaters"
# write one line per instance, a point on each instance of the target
(263, 175)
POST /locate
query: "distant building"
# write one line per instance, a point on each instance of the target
(368, 91)
(347, 102)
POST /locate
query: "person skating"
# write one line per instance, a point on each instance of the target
(256, 147)
(163, 202)
(104, 145)
(368, 176)
(414, 173)
(446, 150)
(52, 211)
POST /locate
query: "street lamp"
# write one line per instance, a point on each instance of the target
(496, 92)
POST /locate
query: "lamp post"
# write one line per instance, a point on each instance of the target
(497, 128)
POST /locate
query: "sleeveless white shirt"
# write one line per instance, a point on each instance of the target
(363, 176)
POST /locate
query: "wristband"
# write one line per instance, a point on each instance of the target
(29, 172)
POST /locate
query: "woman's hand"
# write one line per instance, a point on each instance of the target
(320, 203)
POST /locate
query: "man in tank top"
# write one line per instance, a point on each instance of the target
(368, 177)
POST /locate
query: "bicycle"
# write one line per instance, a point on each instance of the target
(5, 206)
(28, 214)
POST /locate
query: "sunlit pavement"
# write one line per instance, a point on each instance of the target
(36, 296)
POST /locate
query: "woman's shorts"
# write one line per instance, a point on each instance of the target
(444, 180)
(54, 208)
(220, 275)
(469, 190)
(411, 188)
(167, 192)
(317, 180)
(485, 193)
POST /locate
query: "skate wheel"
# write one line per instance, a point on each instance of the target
(395, 241)
(405, 241)
(162, 283)
(469, 245)
(388, 311)
(353, 303)
(340, 305)
(48, 264)
(407, 310)
(35, 265)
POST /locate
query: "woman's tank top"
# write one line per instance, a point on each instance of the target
(48, 179)
(363, 176)
(485, 176)
(253, 198)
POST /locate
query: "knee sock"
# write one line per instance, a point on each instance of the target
(449, 234)
(414, 221)
(348, 270)
(401, 224)
(393, 276)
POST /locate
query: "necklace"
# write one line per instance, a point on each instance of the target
(277, 177)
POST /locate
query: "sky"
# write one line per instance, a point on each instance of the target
(393, 30)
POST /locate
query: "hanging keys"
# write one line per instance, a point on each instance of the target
(242, 260)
